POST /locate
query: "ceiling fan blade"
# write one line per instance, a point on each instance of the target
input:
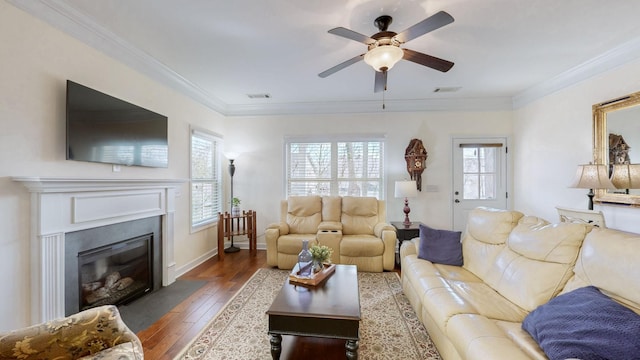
(341, 66)
(429, 24)
(427, 60)
(352, 35)
(380, 82)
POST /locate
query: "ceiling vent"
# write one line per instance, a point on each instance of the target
(259, 96)
(446, 89)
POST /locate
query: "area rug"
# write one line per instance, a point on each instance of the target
(389, 328)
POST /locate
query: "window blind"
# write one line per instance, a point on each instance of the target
(206, 197)
(344, 168)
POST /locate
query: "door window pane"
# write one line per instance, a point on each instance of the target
(470, 157)
(480, 166)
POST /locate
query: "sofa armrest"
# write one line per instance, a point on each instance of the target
(282, 227)
(86, 333)
(389, 238)
(380, 227)
(330, 226)
(409, 247)
(271, 236)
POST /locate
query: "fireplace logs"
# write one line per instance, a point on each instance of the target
(109, 290)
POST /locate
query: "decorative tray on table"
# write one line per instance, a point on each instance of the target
(313, 278)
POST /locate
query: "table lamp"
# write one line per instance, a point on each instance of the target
(626, 176)
(592, 176)
(406, 189)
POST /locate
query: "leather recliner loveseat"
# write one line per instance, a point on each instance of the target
(354, 227)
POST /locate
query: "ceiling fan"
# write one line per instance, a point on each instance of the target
(383, 48)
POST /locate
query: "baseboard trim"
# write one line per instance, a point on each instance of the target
(210, 254)
(195, 262)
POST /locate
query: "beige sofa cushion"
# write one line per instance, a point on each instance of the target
(478, 337)
(304, 214)
(608, 260)
(359, 215)
(486, 234)
(361, 246)
(331, 208)
(540, 255)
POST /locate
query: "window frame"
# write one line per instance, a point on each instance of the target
(216, 180)
(334, 140)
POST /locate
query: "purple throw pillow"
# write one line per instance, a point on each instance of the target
(440, 246)
(585, 324)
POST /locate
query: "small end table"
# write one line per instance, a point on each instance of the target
(405, 233)
(230, 226)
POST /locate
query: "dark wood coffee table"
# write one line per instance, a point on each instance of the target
(330, 310)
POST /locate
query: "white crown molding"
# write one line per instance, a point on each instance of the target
(344, 107)
(62, 16)
(613, 58)
(69, 20)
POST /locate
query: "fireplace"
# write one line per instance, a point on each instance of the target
(112, 264)
(70, 216)
(115, 274)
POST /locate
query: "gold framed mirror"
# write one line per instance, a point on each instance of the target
(616, 125)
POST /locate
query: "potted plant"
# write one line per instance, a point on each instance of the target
(235, 207)
(321, 255)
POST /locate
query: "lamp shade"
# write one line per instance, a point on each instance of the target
(383, 57)
(626, 176)
(406, 189)
(592, 176)
(231, 155)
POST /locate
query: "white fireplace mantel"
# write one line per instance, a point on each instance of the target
(62, 205)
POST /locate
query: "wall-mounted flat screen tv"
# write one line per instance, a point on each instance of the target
(104, 129)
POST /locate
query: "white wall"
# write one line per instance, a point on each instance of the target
(554, 134)
(259, 178)
(35, 62)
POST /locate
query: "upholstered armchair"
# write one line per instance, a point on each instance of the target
(367, 240)
(97, 333)
(300, 217)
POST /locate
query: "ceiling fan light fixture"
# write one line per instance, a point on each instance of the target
(383, 57)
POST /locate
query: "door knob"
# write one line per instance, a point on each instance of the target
(456, 201)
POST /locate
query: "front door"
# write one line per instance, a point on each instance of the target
(479, 176)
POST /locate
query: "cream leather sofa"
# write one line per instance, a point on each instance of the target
(513, 264)
(354, 227)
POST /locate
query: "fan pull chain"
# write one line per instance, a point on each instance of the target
(383, 91)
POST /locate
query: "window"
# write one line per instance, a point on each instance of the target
(206, 187)
(335, 167)
(480, 170)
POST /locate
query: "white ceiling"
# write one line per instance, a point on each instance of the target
(506, 52)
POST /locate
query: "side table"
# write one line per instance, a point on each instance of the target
(405, 233)
(230, 226)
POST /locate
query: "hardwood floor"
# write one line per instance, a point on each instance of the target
(165, 338)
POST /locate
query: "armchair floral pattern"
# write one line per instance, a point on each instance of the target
(97, 333)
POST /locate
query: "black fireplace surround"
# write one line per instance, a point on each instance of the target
(112, 264)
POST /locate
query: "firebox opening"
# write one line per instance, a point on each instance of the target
(115, 274)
